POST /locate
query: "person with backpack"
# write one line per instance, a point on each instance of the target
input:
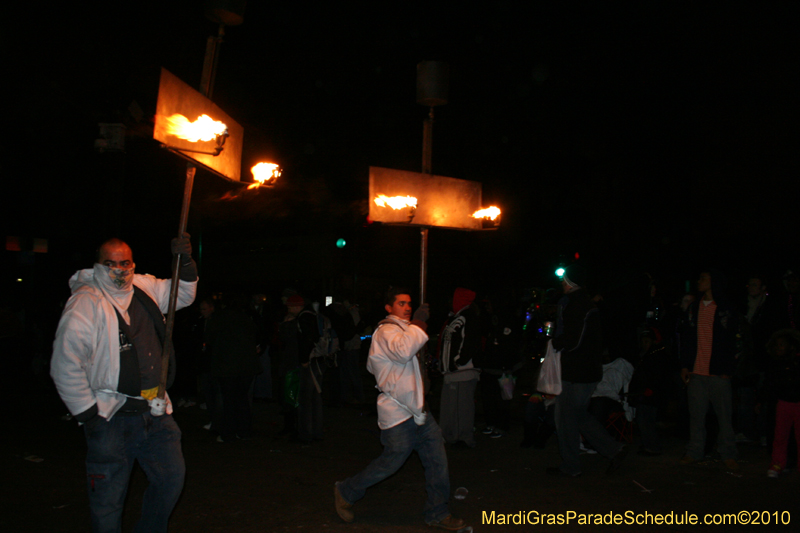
(345, 384)
(317, 346)
(299, 335)
(460, 345)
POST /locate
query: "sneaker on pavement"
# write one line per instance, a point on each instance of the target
(488, 431)
(587, 450)
(343, 508)
(449, 523)
(774, 471)
(495, 434)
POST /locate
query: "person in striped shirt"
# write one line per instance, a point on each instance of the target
(708, 358)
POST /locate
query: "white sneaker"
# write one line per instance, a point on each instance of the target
(207, 426)
(589, 451)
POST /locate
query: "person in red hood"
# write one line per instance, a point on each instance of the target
(460, 343)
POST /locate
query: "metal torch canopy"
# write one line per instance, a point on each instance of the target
(176, 97)
(441, 201)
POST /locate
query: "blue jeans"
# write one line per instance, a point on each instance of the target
(573, 420)
(114, 445)
(398, 443)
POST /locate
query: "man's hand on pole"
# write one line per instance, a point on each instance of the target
(182, 246)
(421, 316)
(422, 313)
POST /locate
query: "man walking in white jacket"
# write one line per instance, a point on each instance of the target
(107, 367)
(406, 425)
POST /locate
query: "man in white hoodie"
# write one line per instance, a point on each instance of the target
(405, 422)
(106, 364)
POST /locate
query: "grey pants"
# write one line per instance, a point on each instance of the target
(714, 391)
(457, 411)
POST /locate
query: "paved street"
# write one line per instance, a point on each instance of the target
(269, 484)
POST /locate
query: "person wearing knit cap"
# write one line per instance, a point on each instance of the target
(579, 339)
(461, 342)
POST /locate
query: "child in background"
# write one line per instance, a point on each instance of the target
(784, 379)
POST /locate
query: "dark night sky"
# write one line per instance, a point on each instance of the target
(655, 136)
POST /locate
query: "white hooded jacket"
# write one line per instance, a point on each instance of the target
(85, 364)
(393, 362)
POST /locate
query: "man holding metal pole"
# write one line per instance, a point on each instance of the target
(106, 364)
(405, 421)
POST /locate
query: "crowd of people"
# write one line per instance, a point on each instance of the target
(668, 367)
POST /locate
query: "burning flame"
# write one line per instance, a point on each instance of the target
(204, 128)
(265, 173)
(490, 212)
(396, 202)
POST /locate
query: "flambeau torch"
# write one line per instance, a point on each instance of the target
(265, 174)
(490, 217)
(397, 203)
(203, 129)
(175, 99)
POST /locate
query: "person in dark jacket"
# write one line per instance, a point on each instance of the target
(579, 339)
(708, 358)
(231, 338)
(460, 344)
(647, 388)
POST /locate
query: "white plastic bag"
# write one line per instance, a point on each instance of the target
(550, 372)
(506, 382)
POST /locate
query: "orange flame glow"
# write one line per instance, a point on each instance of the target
(490, 212)
(396, 202)
(264, 173)
(204, 128)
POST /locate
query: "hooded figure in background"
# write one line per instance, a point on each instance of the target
(460, 344)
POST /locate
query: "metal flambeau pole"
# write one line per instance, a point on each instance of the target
(206, 88)
(432, 87)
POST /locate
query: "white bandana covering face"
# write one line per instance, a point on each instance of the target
(117, 286)
(122, 277)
